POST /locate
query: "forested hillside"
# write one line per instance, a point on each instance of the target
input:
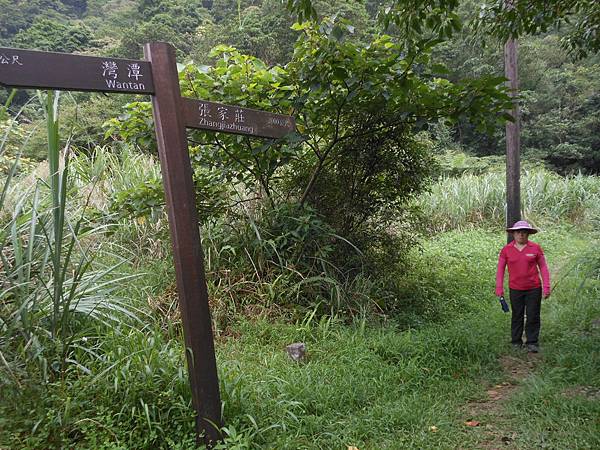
(559, 95)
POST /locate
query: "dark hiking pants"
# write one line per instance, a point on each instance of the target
(525, 303)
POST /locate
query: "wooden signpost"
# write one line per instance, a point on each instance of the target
(172, 114)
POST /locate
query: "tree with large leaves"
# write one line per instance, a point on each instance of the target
(355, 104)
(580, 20)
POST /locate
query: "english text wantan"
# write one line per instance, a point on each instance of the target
(114, 84)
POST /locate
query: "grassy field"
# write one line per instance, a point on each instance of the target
(91, 352)
(376, 386)
(450, 381)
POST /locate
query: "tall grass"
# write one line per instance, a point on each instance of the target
(475, 200)
(364, 384)
(110, 172)
(269, 259)
(282, 260)
(49, 281)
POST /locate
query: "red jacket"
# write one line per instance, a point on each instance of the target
(524, 268)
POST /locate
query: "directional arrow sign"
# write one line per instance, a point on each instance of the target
(235, 119)
(63, 71)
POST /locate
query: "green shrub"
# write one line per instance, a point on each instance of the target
(457, 163)
(276, 256)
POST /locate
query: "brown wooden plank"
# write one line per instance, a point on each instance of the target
(213, 116)
(63, 71)
(185, 237)
(513, 139)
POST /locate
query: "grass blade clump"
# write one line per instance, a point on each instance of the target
(474, 200)
(50, 284)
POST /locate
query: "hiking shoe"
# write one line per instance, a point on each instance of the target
(533, 348)
(517, 346)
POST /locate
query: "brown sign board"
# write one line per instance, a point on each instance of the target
(63, 71)
(213, 116)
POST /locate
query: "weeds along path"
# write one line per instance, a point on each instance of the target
(488, 416)
(550, 399)
(371, 385)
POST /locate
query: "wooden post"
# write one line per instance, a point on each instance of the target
(172, 114)
(513, 165)
(187, 251)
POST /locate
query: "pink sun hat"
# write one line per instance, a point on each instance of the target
(522, 225)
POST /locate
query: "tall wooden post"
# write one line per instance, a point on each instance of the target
(169, 121)
(513, 140)
(172, 114)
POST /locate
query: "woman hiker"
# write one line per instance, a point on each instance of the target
(525, 260)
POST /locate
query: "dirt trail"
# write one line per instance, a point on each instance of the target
(486, 418)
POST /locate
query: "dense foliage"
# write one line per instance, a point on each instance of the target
(356, 159)
(580, 19)
(559, 97)
(337, 235)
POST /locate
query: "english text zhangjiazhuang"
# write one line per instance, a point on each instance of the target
(225, 126)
